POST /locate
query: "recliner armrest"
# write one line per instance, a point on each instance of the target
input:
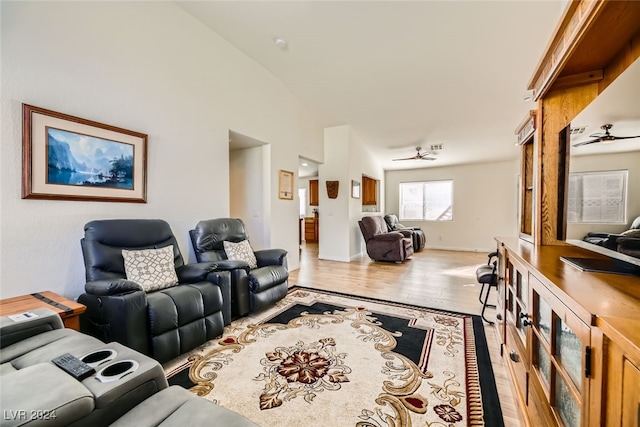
(629, 242)
(405, 232)
(598, 234)
(232, 264)
(197, 272)
(12, 331)
(390, 236)
(111, 287)
(270, 257)
(44, 391)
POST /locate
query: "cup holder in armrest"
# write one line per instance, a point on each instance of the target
(99, 357)
(117, 370)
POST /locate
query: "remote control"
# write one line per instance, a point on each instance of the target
(73, 366)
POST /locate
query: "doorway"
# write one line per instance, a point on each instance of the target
(309, 223)
(249, 183)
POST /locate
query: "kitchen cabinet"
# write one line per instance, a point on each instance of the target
(369, 191)
(311, 229)
(313, 192)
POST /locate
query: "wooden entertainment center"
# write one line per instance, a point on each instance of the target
(570, 338)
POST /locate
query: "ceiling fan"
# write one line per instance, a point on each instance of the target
(606, 137)
(419, 156)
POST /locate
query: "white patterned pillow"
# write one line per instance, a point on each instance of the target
(241, 251)
(152, 269)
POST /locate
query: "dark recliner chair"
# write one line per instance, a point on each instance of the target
(164, 323)
(251, 289)
(629, 245)
(610, 240)
(419, 239)
(384, 245)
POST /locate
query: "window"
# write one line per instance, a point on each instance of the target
(598, 197)
(426, 201)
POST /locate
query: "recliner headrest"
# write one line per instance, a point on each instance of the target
(209, 234)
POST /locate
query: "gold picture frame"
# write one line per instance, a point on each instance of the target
(70, 158)
(285, 185)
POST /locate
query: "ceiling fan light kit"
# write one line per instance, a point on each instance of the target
(605, 138)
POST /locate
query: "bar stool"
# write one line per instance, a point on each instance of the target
(487, 275)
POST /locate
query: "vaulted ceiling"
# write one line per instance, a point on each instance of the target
(402, 73)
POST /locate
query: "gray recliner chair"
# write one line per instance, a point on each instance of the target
(35, 391)
(32, 386)
(252, 289)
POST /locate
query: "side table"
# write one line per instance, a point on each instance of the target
(68, 310)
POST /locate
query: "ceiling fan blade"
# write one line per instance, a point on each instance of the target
(406, 158)
(427, 158)
(597, 135)
(626, 137)
(593, 141)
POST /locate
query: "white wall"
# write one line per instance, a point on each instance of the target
(609, 162)
(333, 214)
(246, 186)
(484, 204)
(346, 159)
(151, 68)
(361, 162)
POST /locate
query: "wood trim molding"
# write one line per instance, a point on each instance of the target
(574, 22)
(578, 79)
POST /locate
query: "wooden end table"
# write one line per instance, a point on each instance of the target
(68, 310)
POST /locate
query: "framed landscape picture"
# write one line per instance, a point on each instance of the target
(69, 158)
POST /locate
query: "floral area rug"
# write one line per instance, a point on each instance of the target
(324, 359)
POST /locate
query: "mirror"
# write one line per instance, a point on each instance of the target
(618, 105)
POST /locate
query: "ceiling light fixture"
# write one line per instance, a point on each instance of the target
(305, 164)
(281, 43)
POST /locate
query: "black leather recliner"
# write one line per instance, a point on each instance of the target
(419, 239)
(251, 289)
(162, 324)
(610, 240)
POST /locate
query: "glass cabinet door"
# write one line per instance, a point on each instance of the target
(560, 356)
(517, 297)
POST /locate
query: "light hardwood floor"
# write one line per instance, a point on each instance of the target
(432, 278)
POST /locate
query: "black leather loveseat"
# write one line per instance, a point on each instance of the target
(162, 323)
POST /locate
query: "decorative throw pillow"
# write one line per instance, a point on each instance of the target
(241, 251)
(152, 269)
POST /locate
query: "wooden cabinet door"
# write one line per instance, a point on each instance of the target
(560, 352)
(630, 395)
(369, 191)
(311, 229)
(313, 192)
(621, 392)
(517, 302)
